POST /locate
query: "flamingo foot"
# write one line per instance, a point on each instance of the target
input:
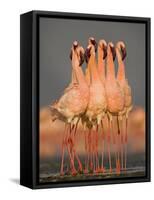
(73, 171)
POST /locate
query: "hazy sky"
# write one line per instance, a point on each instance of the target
(56, 37)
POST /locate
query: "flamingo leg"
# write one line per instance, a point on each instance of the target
(72, 141)
(103, 143)
(114, 140)
(119, 147)
(93, 150)
(86, 151)
(96, 149)
(63, 151)
(90, 149)
(69, 149)
(88, 156)
(74, 151)
(109, 143)
(122, 146)
(125, 143)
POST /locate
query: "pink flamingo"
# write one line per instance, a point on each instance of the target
(96, 106)
(102, 53)
(123, 82)
(72, 104)
(115, 98)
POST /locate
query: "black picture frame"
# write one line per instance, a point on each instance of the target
(29, 97)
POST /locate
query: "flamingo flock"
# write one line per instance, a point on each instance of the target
(95, 98)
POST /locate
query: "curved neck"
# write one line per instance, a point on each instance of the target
(110, 66)
(77, 71)
(73, 78)
(87, 75)
(93, 68)
(121, 67)
(101, 64)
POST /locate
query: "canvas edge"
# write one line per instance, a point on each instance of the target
(34, 182)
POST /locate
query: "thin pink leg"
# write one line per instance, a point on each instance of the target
(74, 150)
(86, 153)
(90, 149)
(125, 142)
(62, 157)
(114, 142)
(122, 145)
(108, 147)
(96, 150)
(119, 148)
(103, 144)
(69, 148)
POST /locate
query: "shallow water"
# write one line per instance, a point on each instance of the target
(50, 167)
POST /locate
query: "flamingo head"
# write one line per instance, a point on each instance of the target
(121, 47)
(76, 48)
(93, 42)
(111, 49)
(103, 46)
(92, 48)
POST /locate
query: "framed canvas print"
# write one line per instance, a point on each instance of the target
(85, 99)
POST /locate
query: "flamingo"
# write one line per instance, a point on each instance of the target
(97, 103)
(102, 53)
(72, 104)
(123, 82)
(115, 98)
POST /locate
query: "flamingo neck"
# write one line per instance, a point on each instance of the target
(121, 67)
(87, 75)
(73, 79)
(93, 69)
(110, 67)
(101, 64)
(80, 76)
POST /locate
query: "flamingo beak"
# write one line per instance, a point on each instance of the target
(87, 54)
(93, 41)
(81, 58)
(105, 51)
(124, 53)
(113, 52)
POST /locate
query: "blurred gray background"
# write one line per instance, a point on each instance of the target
(56, 37)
